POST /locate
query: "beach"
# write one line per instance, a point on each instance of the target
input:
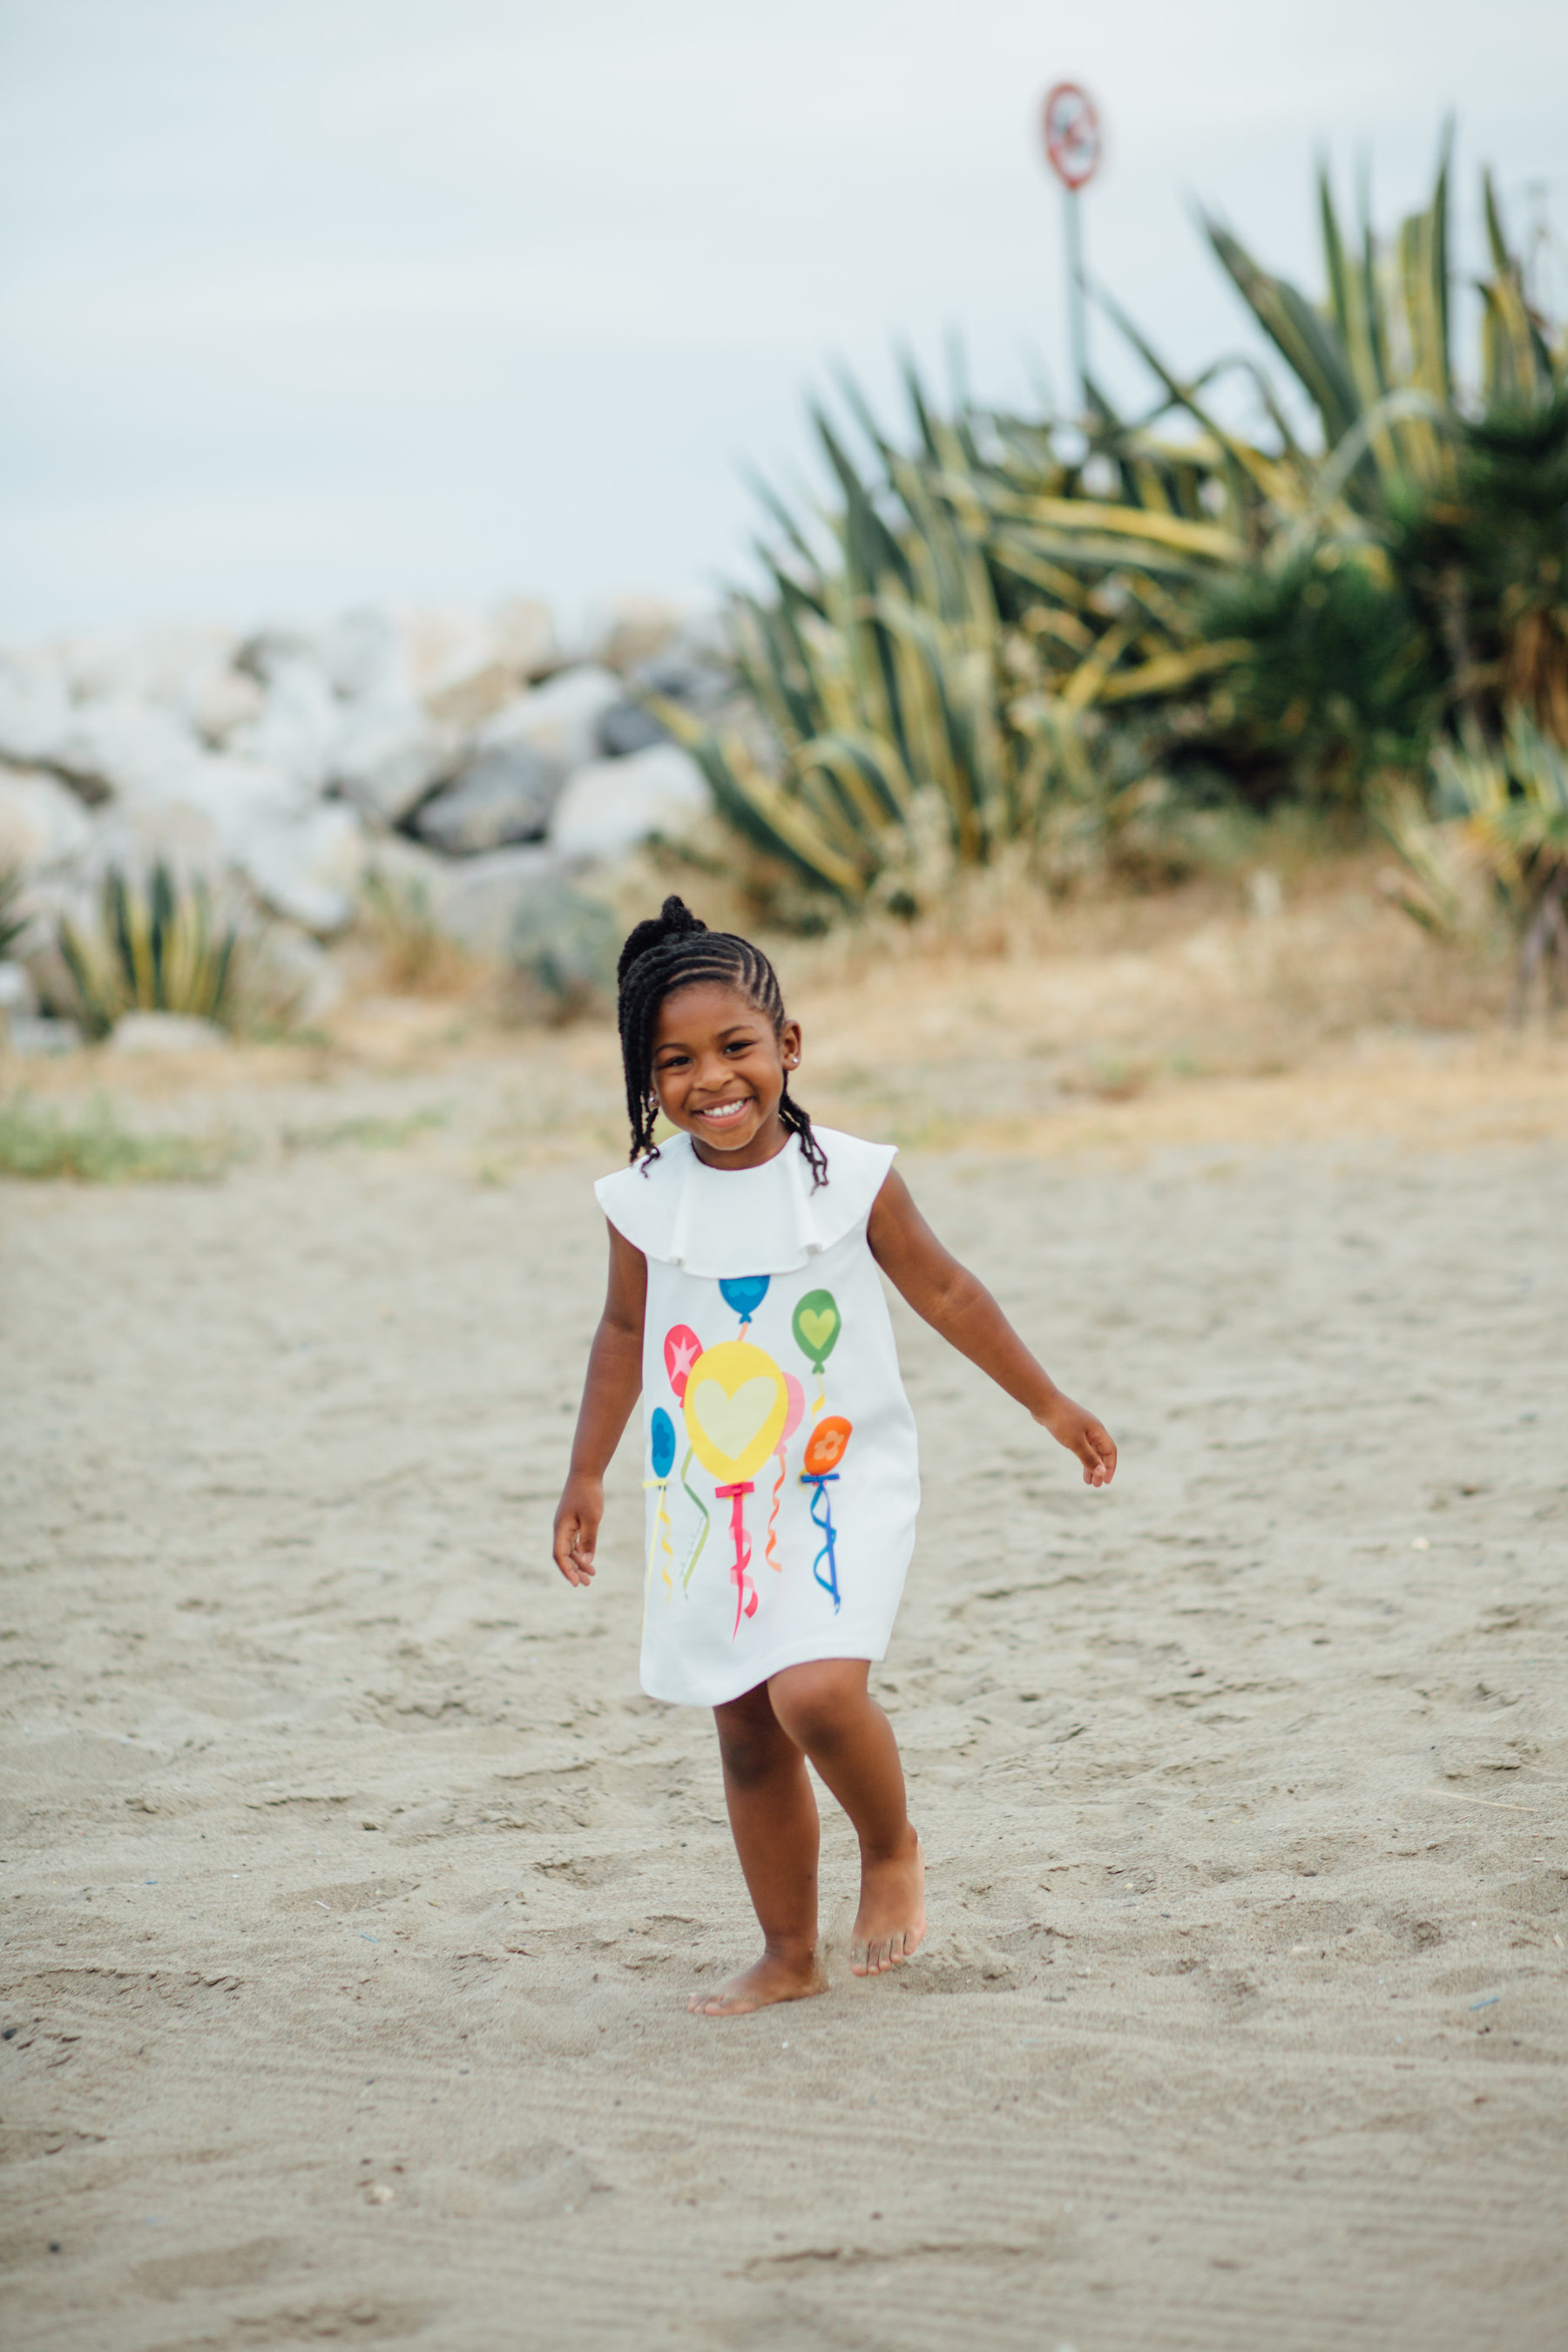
(1243, 2015)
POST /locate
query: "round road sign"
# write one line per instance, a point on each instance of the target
(1072, 133)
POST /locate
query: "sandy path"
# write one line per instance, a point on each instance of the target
(1242, 1790)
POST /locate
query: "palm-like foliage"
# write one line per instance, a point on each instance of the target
(1302, 618)
(977, 600)
(13, 920)
(160, 947)
(1498, 823)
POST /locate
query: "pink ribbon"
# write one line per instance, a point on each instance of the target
(745, 1590)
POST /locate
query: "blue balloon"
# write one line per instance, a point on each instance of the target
(745, 1294)
(661, 1432)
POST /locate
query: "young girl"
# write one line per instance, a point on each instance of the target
(744, 1304)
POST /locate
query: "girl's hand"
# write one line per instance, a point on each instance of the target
(577, 1517)
(1079, 1431)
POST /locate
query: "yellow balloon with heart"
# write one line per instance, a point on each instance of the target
(736, 1405)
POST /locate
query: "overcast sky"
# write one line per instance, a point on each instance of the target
(308, 301)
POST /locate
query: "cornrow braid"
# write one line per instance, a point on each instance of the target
(674, 950)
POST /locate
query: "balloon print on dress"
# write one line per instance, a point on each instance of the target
(792, 1423)
(682, 1349)
(816, 1326)
(662, 1447)
(824, 1450)
(745, 1293)
(736, 1405)
(661, 1439)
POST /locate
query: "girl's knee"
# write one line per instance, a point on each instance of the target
(750, 1744)
(814, 1703)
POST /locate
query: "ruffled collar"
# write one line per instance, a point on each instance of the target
(727, 1221)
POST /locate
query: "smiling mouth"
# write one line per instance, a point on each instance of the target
(724, 1114)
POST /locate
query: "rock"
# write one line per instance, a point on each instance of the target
(363, 654)
(164, 1033)
(169, 667)
(223, 703)
(32, 1035)
(17, 994)
(290, 977)
(694, 669)
(559, 720)
(563, 946)
(390, 754)
(525, 635)
(126, 750)
(470, 692)
(406, 869)
(626, 727)
(297, 728)
(505, 795)
(308, 867)
(43, 825)
(479, 905)
(611, 805)
(624, 630)
(36, 710)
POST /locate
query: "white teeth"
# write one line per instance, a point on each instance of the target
(723, 1110)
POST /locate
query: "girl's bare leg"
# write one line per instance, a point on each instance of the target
(827, 1711)
(773, 1814)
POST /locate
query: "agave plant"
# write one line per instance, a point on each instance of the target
(160, 947)
(1499, 829)
(1456, 503)
(14, 921)
(1303, 619)
(973, 602)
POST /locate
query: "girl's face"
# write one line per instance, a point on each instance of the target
(719, 1072)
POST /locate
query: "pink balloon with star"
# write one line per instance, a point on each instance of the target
(682, 1349)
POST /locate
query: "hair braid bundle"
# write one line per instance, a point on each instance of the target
(676, 949)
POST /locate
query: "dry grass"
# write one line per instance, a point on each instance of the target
(1121, 1024)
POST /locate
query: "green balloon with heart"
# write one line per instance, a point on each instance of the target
(816, 1326)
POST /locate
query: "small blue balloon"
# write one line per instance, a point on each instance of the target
(661, 1434)
(745, 1294)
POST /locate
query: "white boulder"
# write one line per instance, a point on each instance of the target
(43, 825)
(391, 753)
(504, 796)
(306, 868)
(298, 725)
(622, 631)
(559, 720)
(164, 1033)
(611, 805)
(17, 993)
(35, 710)
(171, 667)
(524, 631)
(480, 904)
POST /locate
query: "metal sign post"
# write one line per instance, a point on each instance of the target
(1073, 148)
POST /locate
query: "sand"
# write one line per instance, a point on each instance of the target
(353, 1892)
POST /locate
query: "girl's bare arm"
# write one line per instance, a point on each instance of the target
(954, 1302)
(610, 1390)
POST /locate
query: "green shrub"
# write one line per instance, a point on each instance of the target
(95, 1150)
(160, 946)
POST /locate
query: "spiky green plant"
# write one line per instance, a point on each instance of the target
(1497, 834)
(40, 1143)
(1294, 618)
(160, 946)
(13, 920)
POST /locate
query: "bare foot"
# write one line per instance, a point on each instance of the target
(891, 1921)
(773, 1978)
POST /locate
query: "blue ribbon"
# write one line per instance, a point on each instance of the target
(822, 1513)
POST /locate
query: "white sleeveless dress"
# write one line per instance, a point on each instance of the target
(779, 1450)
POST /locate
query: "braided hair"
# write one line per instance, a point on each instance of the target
(675, 950)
